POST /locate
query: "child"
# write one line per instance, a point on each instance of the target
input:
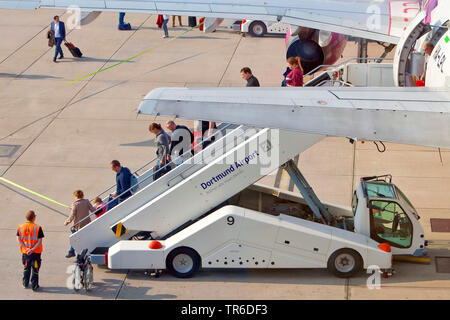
(295, 77)
(101, 207)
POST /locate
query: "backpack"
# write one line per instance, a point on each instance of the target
(134, 184)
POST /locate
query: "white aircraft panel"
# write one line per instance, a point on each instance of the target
(400, 95)
(239, 8)
(183, 7)
(364, 18)
(136, 5)
(81, 3)
(385, 98)
(22, 5)
(380, 114)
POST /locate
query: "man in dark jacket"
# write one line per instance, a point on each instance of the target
(123, 180)
(59, 30)
(181, 142)
(247, 74)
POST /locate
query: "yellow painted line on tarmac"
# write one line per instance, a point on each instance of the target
(37, 94)
(40, 93)
(32, 192)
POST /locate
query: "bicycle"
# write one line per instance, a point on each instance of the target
(83, 273)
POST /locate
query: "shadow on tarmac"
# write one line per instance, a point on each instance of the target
(406, 272)
(90, 59)
(27, 76)
(147, 143)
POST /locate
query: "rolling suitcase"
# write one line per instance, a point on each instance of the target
(76, 52)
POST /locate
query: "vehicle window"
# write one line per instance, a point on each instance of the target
(354, 203)
(405, 201)
(379, 190)
(390, 223)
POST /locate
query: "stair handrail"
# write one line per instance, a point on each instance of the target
(145, 179)
(150, 162)
(341, 64)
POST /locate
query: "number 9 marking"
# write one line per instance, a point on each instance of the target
(230, 220)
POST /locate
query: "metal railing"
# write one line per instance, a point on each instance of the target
(151, 161)
(342, 63)
(134, 172)
(152, 175)
(342, 83)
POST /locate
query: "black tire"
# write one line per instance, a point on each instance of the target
(257, 29)
(77, 273)
(345, 263)
(88, 277)
(178, 256)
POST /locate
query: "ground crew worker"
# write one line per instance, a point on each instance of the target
(29, 236)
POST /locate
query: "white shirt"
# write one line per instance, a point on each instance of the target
(166, 17)
(57, 33)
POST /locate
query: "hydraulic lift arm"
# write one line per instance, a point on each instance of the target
(308, 193)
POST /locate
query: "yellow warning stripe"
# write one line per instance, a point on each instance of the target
(32, 192)
(119, 230)
(412, 259)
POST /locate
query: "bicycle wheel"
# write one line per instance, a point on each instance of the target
(77, 280)
(88, 276)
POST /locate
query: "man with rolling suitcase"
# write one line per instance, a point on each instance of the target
(59, 31)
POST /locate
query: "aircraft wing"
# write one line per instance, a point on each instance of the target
(416, 116)
(381, 20)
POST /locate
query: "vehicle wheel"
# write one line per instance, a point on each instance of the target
(88, 277)
(76, 278)
(257, 29)
(345, 263)
(183, 262)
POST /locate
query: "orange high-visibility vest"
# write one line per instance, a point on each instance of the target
(28, 233)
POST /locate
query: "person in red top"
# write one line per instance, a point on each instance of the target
(29, 237)
(100, 207)
(295, 77)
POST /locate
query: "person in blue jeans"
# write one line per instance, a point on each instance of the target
(164, 25)
(121, 18)
(71, 252)
(59, 31)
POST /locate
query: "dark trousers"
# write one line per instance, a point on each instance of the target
(157, 173)
(121, 18)
(31, 266)
(71, 248)
(58, 42)
(192, 22)
(179, 21)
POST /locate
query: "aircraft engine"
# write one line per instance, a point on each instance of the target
(306, 44)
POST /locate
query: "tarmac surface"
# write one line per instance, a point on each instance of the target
(57, 137)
